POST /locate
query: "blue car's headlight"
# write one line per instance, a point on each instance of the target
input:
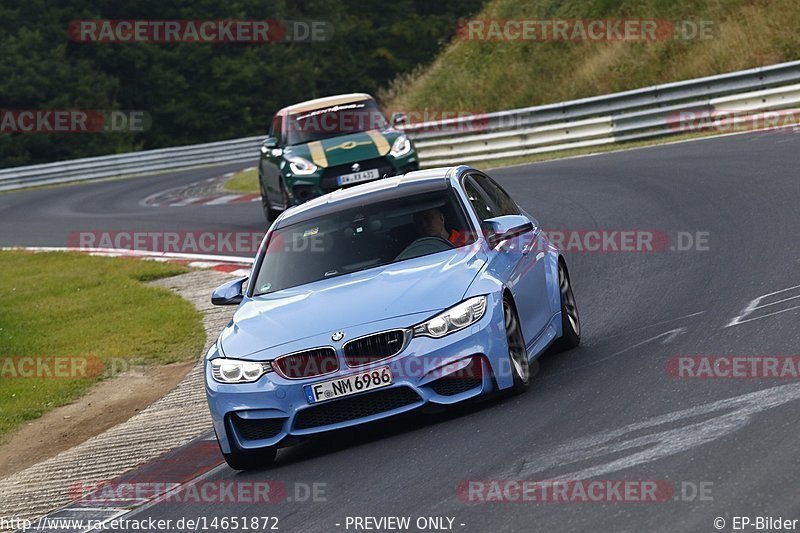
(457, 317)
(236, 371)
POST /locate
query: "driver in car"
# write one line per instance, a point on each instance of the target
(430, 223)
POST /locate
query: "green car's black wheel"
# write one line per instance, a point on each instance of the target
(269, 212)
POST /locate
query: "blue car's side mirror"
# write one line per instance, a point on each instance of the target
(230, 293)
(506, 227)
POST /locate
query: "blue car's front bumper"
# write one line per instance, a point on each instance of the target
(265, 413)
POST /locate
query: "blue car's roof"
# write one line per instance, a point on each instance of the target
(419, 181)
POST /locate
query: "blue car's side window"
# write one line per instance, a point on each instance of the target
(501, 202)
(480, 204)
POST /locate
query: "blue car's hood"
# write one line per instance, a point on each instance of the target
(430, 283)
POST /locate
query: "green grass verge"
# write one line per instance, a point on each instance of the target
(245, 181)
(91, 312)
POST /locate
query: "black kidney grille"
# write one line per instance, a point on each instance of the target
(375, 347)
(307, 364)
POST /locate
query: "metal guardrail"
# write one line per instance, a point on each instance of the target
(629, 115)
(144, 162)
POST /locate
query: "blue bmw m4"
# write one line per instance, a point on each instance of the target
(430, 288)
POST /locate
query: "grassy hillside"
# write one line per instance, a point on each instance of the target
(492, 75)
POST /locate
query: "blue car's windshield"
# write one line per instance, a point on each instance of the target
(364, 237)
(340, 119)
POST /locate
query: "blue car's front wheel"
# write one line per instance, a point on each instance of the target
(570, 320)
(517, 352)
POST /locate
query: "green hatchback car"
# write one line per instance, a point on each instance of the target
(319, 146)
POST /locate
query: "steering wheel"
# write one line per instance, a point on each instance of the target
(425, 246)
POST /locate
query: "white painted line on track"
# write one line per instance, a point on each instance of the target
(228, 198)
(138, 253)
(201, 264)
(666, 337)
(753, 306)
(170, 493)
(727, 416)
(659, 323)
(180, 203)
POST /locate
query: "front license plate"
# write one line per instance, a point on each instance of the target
(355, 177)
(352, 384)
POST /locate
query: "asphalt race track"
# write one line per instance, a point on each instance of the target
(48, 217)
(609, 410)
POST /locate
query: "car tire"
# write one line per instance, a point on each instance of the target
(250, 459)
(517, 352)
(570, 319)
(269, 213)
